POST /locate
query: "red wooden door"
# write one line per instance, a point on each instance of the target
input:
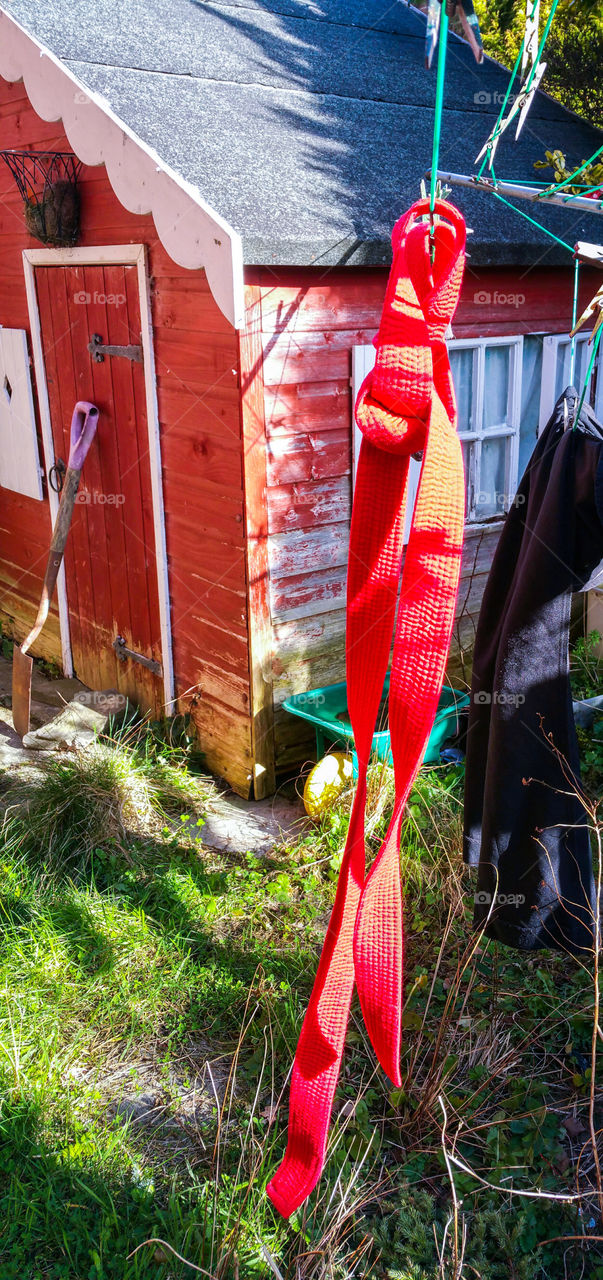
(110, 560)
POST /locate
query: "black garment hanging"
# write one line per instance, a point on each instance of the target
(525, 828)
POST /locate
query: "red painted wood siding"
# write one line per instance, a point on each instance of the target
(311, 320)
(196, 353)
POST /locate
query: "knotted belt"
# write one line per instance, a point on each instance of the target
(405, 404)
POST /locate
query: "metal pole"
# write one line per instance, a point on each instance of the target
(533, 194)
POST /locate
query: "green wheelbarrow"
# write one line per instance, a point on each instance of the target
(327, 710)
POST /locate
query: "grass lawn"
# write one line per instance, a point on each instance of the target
(152, 991)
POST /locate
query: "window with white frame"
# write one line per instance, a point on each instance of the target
(506, 389)
(556, 357)
(487, 379)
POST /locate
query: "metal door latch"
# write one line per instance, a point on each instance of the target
(56, 475)
(124, 653)
(98, 350)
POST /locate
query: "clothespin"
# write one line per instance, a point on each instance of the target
(468, 19)
(592, 254)
(594, 308)
(464, 10)
(434, 13)
(525, 97)
(532, 72)
(529, 52)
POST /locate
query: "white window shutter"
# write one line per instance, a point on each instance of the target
(363, 359)
(19, 456)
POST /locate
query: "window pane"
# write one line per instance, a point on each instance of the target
(496, 387)
(462, 368)
(531, 376)
(492, 498)
(562, 374)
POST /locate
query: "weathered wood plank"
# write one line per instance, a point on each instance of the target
(308, 406)
(214, 410)
(256, 528)
(312, 357)
(216, 562)
(294, 739)
(196, 494)
(303, 674)
(192, 357)
(311, 635)
(212, 684)
(191, 309)
(303, 551)
(298, 301)
(225, 743)
(308, 652)
(308, 457)
(197, 455)
(308, 504)
(343, 300)
(308, 595)
(478, 548)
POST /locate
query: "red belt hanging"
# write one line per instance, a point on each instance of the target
(405, 404)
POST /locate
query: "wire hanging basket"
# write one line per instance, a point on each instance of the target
(47, 181)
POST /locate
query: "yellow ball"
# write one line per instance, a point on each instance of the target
(325, 782)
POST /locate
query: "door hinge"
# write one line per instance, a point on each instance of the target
(124, 653)
(98, 350)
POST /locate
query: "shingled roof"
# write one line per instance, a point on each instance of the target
(307, 124)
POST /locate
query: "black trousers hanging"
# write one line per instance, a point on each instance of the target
(525, 827)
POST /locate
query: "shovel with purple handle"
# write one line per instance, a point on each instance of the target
(83, 427)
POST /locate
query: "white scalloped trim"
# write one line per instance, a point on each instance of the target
(190, 231)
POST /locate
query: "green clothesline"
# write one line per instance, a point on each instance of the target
(496, 132)
(572, 370)
(569, 247)
(437, 133)
(437, 119)
(533, 182)
(591, 365)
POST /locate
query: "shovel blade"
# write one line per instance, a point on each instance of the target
(22, 668)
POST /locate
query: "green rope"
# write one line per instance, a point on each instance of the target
(497, 129)
(587, 191)
(572, 367)
(533, 182)
(591, 365)
(569, 247)
(437, 120)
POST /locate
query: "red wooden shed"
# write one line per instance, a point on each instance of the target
(239, 173)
